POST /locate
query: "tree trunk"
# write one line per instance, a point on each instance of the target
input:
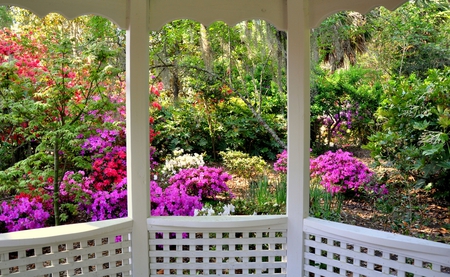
(56, 182)
(205, 47)
(263, 122)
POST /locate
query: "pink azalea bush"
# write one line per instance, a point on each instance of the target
(22, 213)
(281, 164)
(204, 182)
(188, 189)
(340, 172)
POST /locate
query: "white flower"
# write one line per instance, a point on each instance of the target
(228, 209)
(211, 211)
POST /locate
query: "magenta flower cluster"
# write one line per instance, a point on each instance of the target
(281, 164)
(340, 172)
(108, 204)
(22, 214)
(188, 189)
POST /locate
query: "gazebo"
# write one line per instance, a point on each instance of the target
(139, 245)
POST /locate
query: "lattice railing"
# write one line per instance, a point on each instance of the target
(85, 249)
(335, 249)
(218, 245)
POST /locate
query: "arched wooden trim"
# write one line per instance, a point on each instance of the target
(208, 11)
(114, 10)
(321, 9)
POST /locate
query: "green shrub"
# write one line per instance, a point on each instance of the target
(242, 165)
(415, 121)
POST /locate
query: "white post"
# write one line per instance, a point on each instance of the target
(298, 132)
(138, 164)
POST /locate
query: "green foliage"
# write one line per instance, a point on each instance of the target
(413, 38)
(242, 165)
(181, 126)
(50, 107)
(415, 120)
(265, 196)
(5, 17)
(206, 68)
(186, 126)
(242, 132)
(340, 38)
(324, 204)
(344, 103)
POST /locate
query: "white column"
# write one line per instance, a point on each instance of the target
(138, 133)
(298, 132)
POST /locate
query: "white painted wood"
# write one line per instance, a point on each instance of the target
(85, 249)
(216, 222)
(114, 10)
(342, 249)
(439, 252)
(137, 105)
(321, 9)
(229, 246)
(29, 238)
(209, 11)
(298, 131)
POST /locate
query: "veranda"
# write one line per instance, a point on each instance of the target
(291, 245)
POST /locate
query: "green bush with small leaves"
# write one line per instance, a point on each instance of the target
(415, 121)
(243, 165)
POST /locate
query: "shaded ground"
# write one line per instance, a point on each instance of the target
(405, 211)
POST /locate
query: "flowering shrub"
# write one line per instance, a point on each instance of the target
(204, 182)
(281, 164)
(187, 189)
(339, 171)
(109, 204)
(158, 207)
(110, 169)
(22, 213)
(172, 201)
(179, 202)
(75, 187)
(179, 161)
(101, 141)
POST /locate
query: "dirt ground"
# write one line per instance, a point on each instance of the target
(412, 212)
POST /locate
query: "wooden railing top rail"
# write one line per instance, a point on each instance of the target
(216, 222)
(379, 239)
(27, 238)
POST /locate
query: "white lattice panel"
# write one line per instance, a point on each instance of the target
(343, 250)
(106, 254)
(230, 248)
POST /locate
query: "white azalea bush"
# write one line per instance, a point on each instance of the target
(179, 161)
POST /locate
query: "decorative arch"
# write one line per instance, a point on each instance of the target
(208, 11)
(321, 9)
(114, 10)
